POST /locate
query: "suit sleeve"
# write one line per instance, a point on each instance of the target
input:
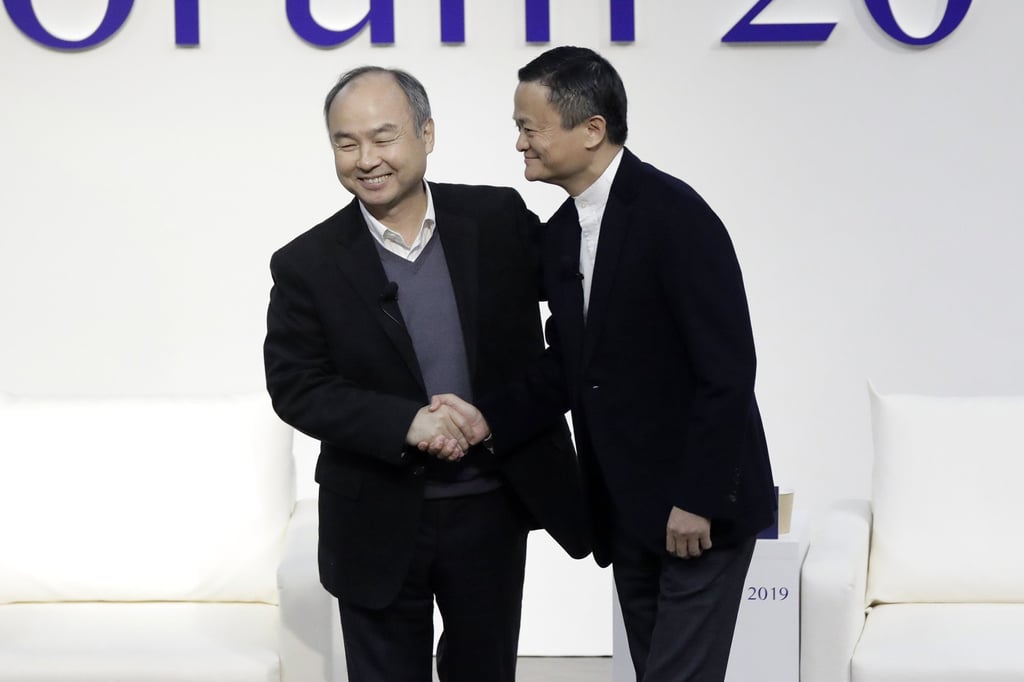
(531, 236)
(701, 275)
(306, 390)
(538, 400)
(523, 409)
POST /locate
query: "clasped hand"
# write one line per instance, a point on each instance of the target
(447, 427)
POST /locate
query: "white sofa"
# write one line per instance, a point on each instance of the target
(157, 539)
(924, 583)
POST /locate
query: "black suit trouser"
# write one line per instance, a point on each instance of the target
(470, 556)
(679, 614)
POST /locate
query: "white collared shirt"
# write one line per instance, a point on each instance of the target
(393, 242)
(590, 205)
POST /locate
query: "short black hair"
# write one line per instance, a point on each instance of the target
(582, 84)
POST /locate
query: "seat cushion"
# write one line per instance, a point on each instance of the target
(171, 499)
(946, 499)
(142, 642)
(941, 643)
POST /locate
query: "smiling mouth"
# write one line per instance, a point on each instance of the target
(375, 180)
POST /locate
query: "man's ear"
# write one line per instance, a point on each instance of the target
(596, 131)
(428, 135)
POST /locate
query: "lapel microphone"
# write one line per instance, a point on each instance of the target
(390, 296)
(571, 271)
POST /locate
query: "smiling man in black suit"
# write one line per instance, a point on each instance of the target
(651, 347)
(411, 290)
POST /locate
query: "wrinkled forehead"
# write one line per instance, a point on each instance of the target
(532, 104)
(372, 95)
(364, 112)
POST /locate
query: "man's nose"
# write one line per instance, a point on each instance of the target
(368, 157)
(521, 144)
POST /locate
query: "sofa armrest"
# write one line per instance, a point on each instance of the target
(307, 609)
(833, 587)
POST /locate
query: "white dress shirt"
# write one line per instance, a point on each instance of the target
(590, 205)
(393, 242)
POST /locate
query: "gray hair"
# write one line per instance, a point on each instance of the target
(413, 89)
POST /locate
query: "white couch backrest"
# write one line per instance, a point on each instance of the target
(146, 499)
(947, 499)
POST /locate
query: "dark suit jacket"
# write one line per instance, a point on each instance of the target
(660, 377)
(340, 370)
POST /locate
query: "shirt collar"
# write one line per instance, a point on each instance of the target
(596, 196)
(384, 234)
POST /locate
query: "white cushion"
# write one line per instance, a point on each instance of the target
(941, 643)
(947, 499)
(142, 499)
(139, 643)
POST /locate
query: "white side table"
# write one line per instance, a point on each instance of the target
(766, 645)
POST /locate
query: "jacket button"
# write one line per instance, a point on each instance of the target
(732, 498)
(419, 470)
(595, 387)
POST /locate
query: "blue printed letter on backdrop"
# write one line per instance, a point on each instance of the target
(380, 17)
(24, 17)
(538, 21)
(186, 22)
(745, 31)
(881, 10)
(453, 21)
(623, 23)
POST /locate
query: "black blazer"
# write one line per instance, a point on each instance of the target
(342, 371)
(660, 377)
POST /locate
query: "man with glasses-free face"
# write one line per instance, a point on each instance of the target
(414, 289)
(651, 347)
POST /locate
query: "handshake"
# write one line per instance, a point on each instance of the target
(447, 427)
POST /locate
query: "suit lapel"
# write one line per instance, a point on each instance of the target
(566, 287)
(614, 230)
(359, 262)
(460, 240)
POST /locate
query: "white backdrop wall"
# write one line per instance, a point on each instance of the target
(871, 190)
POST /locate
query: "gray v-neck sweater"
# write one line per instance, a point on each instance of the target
(431, 315)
